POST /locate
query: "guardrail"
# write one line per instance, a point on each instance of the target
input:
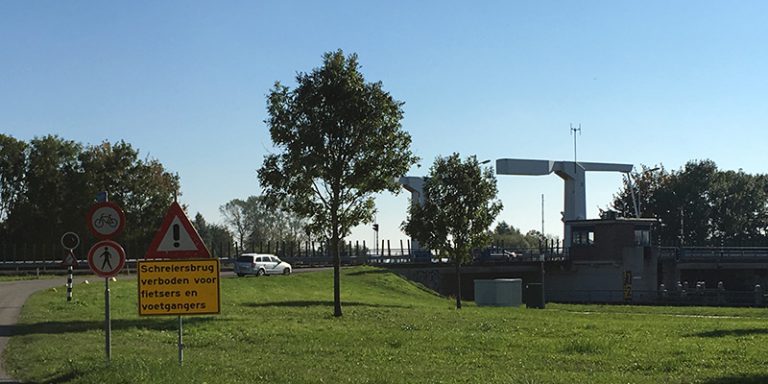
(703, 297)
(715, 254)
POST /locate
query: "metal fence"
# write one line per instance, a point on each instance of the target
(699, 297)
(300, 252)
(714, 254)
(47, 255)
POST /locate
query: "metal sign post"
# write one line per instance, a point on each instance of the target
(107, 323)
(69, 283)
(106, 258)
(198, 279)
(181, 342)
(69, 241)
(196, 282)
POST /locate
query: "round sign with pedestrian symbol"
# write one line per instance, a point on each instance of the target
(106, 258)
(106, 220)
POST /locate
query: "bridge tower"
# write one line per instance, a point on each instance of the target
(574, 177)
(414, 185)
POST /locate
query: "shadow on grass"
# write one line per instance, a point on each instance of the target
(731, 332)
(756, 379)
(322, 303)
(59, 327)
(369, 272)
(63, 378)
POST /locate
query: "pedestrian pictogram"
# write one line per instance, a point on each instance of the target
(106, 258)
(177, 238)
(106, 220)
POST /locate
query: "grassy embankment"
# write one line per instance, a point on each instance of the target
(280, 330)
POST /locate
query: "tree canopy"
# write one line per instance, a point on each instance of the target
(340, 141)
(49, 183)
(460, 205)
(700, 204)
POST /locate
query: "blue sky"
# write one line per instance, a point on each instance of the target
(185, 82)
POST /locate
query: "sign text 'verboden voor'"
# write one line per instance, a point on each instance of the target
(178, 287)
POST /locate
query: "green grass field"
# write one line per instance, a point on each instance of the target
(280, 330)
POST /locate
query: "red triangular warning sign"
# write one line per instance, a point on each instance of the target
(177, 238)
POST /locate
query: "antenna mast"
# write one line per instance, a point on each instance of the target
(573, 132)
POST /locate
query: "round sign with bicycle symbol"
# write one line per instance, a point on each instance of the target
(106, 220)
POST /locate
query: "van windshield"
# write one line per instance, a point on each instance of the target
(245, 259)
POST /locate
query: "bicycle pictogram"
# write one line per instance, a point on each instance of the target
(105, 219)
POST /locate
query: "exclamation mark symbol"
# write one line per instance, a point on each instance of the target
(176, 243)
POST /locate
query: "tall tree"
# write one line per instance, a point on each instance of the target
(701, 205)
(47, 208)
(235, 213)
(59, 179)
(341, 141)
(691, 188)
(511, 238)
(460, 205)
(143, 188)
(215, 236)
(253, 221)
(13, 165)
(739, 207)
(640, 191)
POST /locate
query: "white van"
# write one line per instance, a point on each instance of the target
(261, 264)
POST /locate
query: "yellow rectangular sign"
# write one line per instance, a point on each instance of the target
(178, 287)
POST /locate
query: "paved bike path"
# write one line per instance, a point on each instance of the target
(13, 294)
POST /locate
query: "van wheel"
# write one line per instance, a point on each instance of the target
(260, 272)
(240, 275)
(286, 271)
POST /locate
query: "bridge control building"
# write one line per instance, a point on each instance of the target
(610, 260)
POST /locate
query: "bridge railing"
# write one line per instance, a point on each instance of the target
(33, 255)
(714, 254)
(708, 297)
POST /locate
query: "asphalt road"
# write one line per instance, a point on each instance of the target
(13, 294)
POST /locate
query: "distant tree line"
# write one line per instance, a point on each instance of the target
(217, 237)
(48, 184)
(252, 221)
(509, 237)
(699, 205)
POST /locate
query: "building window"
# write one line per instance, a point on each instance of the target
(642, 237)
(583, 237)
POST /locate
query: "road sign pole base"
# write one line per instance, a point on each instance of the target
(181, 342)
(107, 323)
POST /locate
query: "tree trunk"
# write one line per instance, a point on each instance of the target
(458, 284)
(336, 267)
(336, 280)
